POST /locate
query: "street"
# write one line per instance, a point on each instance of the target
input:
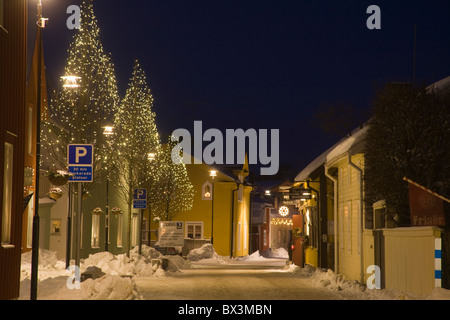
(231, 282)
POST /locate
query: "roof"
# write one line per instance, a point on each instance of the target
(348, 144)
(314, 165)
(335, 151)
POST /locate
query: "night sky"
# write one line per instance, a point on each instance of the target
(260, 64)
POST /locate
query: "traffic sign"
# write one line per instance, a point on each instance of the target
(140, 199)
(80, 155)
(80, 158)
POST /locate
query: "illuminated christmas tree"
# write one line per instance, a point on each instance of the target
(136, 136)
(173, 191)
(81, 108)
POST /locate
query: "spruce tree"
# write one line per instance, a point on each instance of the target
(136, 136)
(78, 115)
(173, 191)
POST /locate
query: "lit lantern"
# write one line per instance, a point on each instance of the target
(283, 211)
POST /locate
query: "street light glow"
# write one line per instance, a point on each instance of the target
(108, 130)
(71, 81)
(151, 156)
(213, 173)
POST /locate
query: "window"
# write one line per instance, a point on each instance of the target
(95, 236)
(119, 230)
(56, 227)
(239, 236)
(194, 230)
(245, 235)
(348, 223)
(30, 215)
(7, 193)
(207, 191)
(135, 230)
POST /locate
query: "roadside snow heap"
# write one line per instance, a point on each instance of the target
(204, 252)
(116, 282)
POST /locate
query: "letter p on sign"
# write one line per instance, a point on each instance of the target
(80, 152)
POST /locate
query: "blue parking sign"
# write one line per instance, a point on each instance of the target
(80, 158)
(80, 155)
(140, 199)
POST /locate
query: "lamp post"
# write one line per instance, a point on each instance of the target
(35, 240)
(213, 174)
(108, 131)
(70, 82)
(150, 157)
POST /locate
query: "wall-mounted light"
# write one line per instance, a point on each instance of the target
(283, 211)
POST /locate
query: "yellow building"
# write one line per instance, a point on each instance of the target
(221, 210)
(345, 165)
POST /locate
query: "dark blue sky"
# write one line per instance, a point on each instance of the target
(261, 64)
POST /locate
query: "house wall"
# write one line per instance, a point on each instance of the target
(349, 218)
(13, 39)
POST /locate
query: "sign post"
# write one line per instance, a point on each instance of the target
(80, 158)
(171, 234)
(140, 202)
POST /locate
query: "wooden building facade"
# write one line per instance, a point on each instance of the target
(13, 47)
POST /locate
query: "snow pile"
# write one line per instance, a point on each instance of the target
(49, 265)
(354, 290)
(206, 251)
(281, 253)
(116, 284)
(110, 288)
(104, 288)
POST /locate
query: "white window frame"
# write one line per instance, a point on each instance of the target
(194, 224)
(95, 232)
(341, 226)
(119, 231)
(30, 215)
(348, 222)
(135, 230)
(239, 235)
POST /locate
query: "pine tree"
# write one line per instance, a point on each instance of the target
(173, 190)
(136, 136)
(78, 115)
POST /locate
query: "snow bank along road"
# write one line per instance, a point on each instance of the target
(231, 282)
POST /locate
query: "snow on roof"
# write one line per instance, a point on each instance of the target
(339, 148)
(441, 85)
(347, 144)
(310, 168)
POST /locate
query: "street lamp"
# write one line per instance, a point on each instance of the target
(213, 174)
(108, 131)
(69, 82)
(151, 156)
(35, 241)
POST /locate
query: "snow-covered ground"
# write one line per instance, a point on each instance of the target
(140, 277)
